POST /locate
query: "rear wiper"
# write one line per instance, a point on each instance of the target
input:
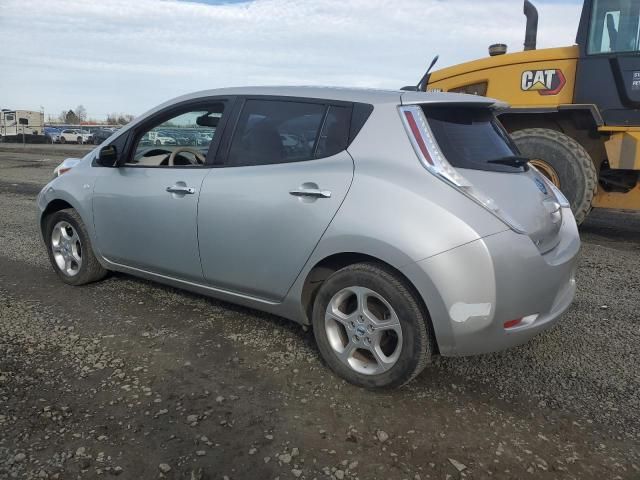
(511, 160)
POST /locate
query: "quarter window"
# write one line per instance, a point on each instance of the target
(335, 132)
(272, 131)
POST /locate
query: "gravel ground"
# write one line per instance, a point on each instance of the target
(128, 378)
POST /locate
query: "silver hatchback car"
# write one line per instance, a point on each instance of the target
(398, 224)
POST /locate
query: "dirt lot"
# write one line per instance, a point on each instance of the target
(132, 379)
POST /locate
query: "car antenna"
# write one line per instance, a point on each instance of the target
(422, 84)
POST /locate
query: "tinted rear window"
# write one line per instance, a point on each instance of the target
(472, 138)
(281, 131)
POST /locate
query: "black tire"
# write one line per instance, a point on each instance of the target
(79, 140)
(417, 340)
(62, 139)
(90, 269)
(573, 165)
(96, 141)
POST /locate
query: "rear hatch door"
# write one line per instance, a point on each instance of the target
(473, 141)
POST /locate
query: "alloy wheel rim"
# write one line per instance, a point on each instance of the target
(363, 330)
(547, 170)
(67, 248)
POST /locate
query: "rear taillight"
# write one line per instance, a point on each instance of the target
(431, 158)
(426, 148)
(417, 136)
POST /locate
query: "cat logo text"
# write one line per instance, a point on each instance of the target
(545, 82)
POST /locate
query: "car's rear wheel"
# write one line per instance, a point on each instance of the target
(370, 327)
(79, 140)
(70, 250)
(63, 140)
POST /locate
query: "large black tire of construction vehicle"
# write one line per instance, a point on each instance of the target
(576, 173)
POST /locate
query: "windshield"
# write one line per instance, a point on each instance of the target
(614, 26)
(473, 138)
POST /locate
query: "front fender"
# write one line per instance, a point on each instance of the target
(74, 188)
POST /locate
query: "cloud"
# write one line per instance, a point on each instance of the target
(119, 55)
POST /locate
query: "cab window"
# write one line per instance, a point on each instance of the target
(614, 27)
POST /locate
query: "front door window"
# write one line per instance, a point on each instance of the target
(182, 140)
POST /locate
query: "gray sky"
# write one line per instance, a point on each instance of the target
(127, 56)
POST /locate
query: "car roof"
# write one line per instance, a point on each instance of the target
(363, 95)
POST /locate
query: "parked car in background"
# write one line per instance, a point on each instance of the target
(438, 238)
(52, 134)
(101, 134)
(163, 138)
(75, 135)
(203, 138)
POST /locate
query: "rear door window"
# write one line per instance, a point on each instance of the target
(283, 131)
(473, 138)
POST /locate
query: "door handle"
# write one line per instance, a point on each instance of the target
(181, 189)
(310, 192)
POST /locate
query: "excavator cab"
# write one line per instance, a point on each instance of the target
(608, 70)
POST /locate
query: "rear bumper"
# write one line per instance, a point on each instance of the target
(472, 290)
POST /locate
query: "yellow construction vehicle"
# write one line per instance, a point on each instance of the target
(574, 111)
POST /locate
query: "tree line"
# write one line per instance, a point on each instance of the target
(78, 116)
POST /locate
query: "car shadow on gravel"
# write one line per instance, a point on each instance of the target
(612, 226)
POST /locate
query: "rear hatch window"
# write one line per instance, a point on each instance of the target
(474, 142)
(472, 138)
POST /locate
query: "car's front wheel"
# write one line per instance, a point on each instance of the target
(63, 140)
(70, 250)
(370, 327)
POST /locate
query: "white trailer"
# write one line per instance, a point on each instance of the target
(14, 124)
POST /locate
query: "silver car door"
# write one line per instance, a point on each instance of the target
(146, 218)
(145, 211)
(260, 219)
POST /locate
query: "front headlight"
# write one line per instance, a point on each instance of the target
(65, 166)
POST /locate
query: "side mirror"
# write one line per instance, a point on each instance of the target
(108, 156)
